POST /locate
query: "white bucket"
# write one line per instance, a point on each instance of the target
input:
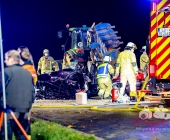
(81, 98)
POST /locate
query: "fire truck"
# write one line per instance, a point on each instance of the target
(159, 50)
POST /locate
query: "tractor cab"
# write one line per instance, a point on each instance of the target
(80, 37)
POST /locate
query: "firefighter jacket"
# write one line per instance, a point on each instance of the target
(104, 72)
(29, 66)
(68, 56)
(144, 60)
(47, 64)
(126, 63)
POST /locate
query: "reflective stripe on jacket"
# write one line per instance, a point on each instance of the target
(102, 71)
(108, 77)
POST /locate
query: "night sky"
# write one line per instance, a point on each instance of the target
(35, 23)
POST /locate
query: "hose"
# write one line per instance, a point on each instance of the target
(141, 94)
(145, 82)
(95, 108)
(66, 106)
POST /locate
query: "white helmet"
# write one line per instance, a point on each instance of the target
(144, 47)
(107, 59)
(131, 45)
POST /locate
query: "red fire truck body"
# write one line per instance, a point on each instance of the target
(159, 48)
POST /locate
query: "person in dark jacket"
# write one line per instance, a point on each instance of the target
(19, 94)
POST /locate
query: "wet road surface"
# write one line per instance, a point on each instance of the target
(115, 125)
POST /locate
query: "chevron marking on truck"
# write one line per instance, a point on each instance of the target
(162, 4)
(163, 43)
(153, 35)
(154, 21)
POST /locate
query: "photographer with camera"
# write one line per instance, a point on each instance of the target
(19, 95)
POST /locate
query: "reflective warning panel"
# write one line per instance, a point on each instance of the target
(163, 32)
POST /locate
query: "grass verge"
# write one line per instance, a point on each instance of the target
(44, 130)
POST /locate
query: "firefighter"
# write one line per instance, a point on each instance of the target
(46, 63)
(104, 72)
(68, 57)
(144, 60)
(127, 67)
(72, 57)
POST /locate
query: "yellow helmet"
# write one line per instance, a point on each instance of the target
(46, 51)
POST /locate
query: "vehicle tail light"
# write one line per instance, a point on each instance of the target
(152, 70)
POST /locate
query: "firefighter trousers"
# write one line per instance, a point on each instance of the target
(131, 79)
(105, 88)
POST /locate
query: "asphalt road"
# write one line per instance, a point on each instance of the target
(115, 125)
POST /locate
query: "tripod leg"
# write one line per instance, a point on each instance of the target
(19, 125)
(1, 119)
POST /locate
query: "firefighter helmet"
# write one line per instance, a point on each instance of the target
(46, 51)
(107, 59)
(131, 45)
(144, 47)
